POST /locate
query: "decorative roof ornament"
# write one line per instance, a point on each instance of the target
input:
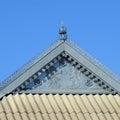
(62, 32)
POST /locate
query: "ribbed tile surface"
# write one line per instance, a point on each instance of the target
(60, 107)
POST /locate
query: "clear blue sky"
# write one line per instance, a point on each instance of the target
(29, 26)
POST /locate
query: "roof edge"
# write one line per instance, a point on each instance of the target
(30, 63)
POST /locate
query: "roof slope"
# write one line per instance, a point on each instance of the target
(60, 107)
(43, 64)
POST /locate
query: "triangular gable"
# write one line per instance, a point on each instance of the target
(62, 77)
(94, 78)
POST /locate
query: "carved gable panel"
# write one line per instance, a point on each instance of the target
(61, 75)
(67, 76)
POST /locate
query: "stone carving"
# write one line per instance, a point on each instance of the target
(89, 83)
(54, 80)
(63, 76)
(36, 81)
(66, 77)
(74, 77)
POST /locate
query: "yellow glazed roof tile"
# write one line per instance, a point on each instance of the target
(53, 103)
(94, 103)
(74, 103)
(80, 116)
(19, 103)
(46, 103)
(33, 103)
(114, 103)
(101, 103)
(108, 116)
(87, 103)
(60, 116)
(94, 116)
(26, 103)
(74, 116)
(1, 108)
(87, 116)
(3, 116)
(24, 116)
(38, 116)
(115, 116)
(17, 116)
(67, 116)
(80, 103)
(32, 116)
(119, 115)
(12, 103)
(60, 103)
(6, 105)
(101, 116)
(45, 116)
(52, 116)
(60, 107)
(40, 103)
(107, 103)
(10, 116)
(67, 103)
(117, 99)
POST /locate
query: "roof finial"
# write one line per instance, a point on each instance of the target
(62, 32)
(62, 23)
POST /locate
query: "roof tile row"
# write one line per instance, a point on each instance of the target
(60, 107)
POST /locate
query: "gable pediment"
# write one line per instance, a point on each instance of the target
(62, 75)
(63, 69)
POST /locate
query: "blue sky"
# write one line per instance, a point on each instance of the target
(29, 26)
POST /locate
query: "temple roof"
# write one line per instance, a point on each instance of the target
(61, 83)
